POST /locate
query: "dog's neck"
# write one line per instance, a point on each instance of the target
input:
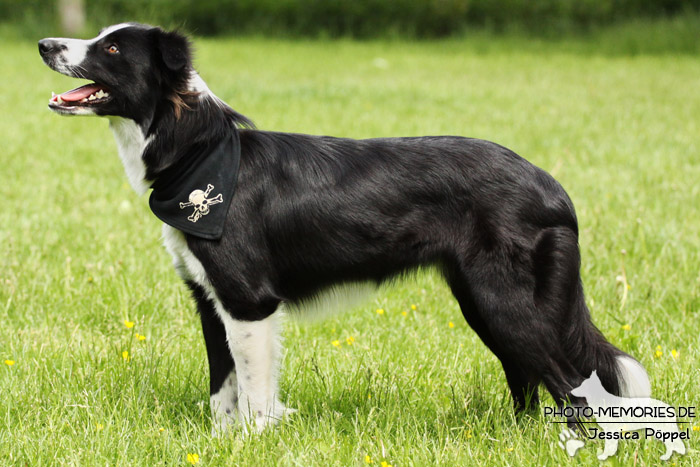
(177, 124)
(131, 143)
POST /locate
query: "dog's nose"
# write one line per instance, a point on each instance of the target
(47, 46)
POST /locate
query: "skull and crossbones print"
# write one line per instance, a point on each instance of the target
(201, 203)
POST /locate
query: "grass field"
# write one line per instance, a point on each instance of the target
(80, 254)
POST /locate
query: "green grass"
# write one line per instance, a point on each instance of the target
(80, 253)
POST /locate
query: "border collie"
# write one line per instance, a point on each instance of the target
(255, 220)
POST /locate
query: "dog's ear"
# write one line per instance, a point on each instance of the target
(174, 49)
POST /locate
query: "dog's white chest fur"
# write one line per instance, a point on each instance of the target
(130, 144)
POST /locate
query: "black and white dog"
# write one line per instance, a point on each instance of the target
(255, 220)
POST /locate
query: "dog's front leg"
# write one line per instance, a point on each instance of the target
(256, 347)
(223, 381)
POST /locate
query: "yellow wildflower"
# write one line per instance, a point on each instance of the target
(336, 343)
(100, 427)
(350, 340)
(658, 352)
(140, 337)
(385, 464)
(404, 313)
(368, 460)
(380, 311)
(193, 458)
(9, 362)
(674, 353)
(129, 324)
(126, 356)
(414, 307)
(451, 324)
(696, 428)
(626, 327)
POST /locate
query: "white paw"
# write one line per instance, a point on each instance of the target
(262, 419)
(569, 442)
(221, 423)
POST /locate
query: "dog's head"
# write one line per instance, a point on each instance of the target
(133, 67)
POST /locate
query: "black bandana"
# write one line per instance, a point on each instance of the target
(194, 194)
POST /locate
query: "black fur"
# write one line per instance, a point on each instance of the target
(313, 211)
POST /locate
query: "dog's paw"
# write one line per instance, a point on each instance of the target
(260, 420)
(221, 424)
(569, 442)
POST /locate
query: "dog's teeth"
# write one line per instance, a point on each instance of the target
(83, 100)
(106, 94)
(92, 97)
(53, 94)
(59, 100)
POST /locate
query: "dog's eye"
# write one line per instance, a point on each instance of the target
(113, 49)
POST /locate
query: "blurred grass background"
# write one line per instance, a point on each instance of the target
(673, 23)
(80, 254)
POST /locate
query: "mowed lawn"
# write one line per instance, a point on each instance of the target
(401, 379)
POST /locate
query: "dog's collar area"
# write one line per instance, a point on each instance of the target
(194, 194)
(83, 96)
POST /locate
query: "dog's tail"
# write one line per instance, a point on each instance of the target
(557, 256)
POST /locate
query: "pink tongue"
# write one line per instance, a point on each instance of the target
(80, 93)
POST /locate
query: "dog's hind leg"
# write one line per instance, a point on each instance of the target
(223, 383)
(559, 296)
(523, 384)
(498, 303)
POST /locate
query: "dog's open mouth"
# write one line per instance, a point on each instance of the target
(92, 94)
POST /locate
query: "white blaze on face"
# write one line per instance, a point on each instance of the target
(75, 50)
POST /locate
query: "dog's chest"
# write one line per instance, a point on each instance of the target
(188, 267)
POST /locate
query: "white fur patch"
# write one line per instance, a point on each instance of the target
(331, 301)
(186, 264)
(130, 144)
(197, 84)
(256, 349)
(75, 52)
(224, 405)
(109, 30)
(634, 381)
